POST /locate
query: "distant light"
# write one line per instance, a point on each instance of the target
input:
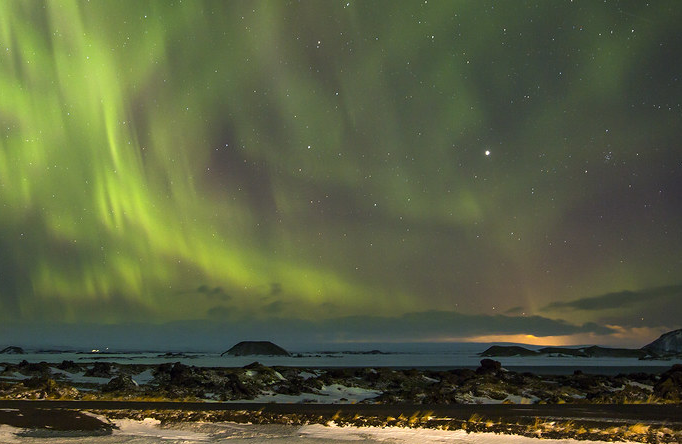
(487, 152)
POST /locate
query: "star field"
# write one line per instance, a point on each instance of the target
(244, 163)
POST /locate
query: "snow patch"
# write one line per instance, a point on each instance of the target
(518, 399)
(144, 377)
(336, 392)
(8, 434)
(307, 375)
(79, 378)
(400, 435)
(149, 427)
(642, 386)
(16, 376)
(329, 394)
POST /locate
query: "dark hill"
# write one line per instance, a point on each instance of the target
(247, 348)
(508, 350)
(667, 344)
(12, 350)
(596, 351)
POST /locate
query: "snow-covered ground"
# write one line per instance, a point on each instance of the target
(405, 435)
(150, 431)
(78, 378)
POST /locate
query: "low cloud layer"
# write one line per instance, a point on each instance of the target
(650, 307)
(203, 335)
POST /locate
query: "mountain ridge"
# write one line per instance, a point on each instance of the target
(667, 345)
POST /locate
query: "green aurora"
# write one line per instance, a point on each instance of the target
(240, 162)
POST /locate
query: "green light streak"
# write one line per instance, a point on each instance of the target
(149, 148)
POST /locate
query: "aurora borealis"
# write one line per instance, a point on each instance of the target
(432, 170)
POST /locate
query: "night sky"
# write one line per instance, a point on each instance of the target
(343, 170)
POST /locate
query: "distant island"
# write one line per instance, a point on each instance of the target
(12, 350)
(256, 348)
(668, 345)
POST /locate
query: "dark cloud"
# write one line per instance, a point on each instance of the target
(623, 299)
(651, 307)
(274, 307)
(275, 288)
(220, 330)
(219, 313)
(515, 310)
(214, 292)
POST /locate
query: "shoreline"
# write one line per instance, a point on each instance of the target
(647, 423)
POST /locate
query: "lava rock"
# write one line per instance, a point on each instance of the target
(45, 387)
(184, 376)
(99, 370)
(236, 389)
(669, 386)
(488, 366)
(33, 368)
(120, 383)
(69, 366)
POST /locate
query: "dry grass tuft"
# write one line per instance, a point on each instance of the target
(638, 429)
(475, 418)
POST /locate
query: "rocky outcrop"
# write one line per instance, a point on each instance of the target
(488, 366)
(488, 383)
(667, 344)
(100, 370)
(42, 387)
(182, 381)
(120, 384)
(29, 368)
(248, 348)
(12, 350)
(669, 386)
(69, 366)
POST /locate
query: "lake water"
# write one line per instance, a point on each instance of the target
(434, 356)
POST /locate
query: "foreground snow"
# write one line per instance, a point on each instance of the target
(405, 435)
(150, 431)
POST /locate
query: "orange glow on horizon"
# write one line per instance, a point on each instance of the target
(528, 339)
(622, 337)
